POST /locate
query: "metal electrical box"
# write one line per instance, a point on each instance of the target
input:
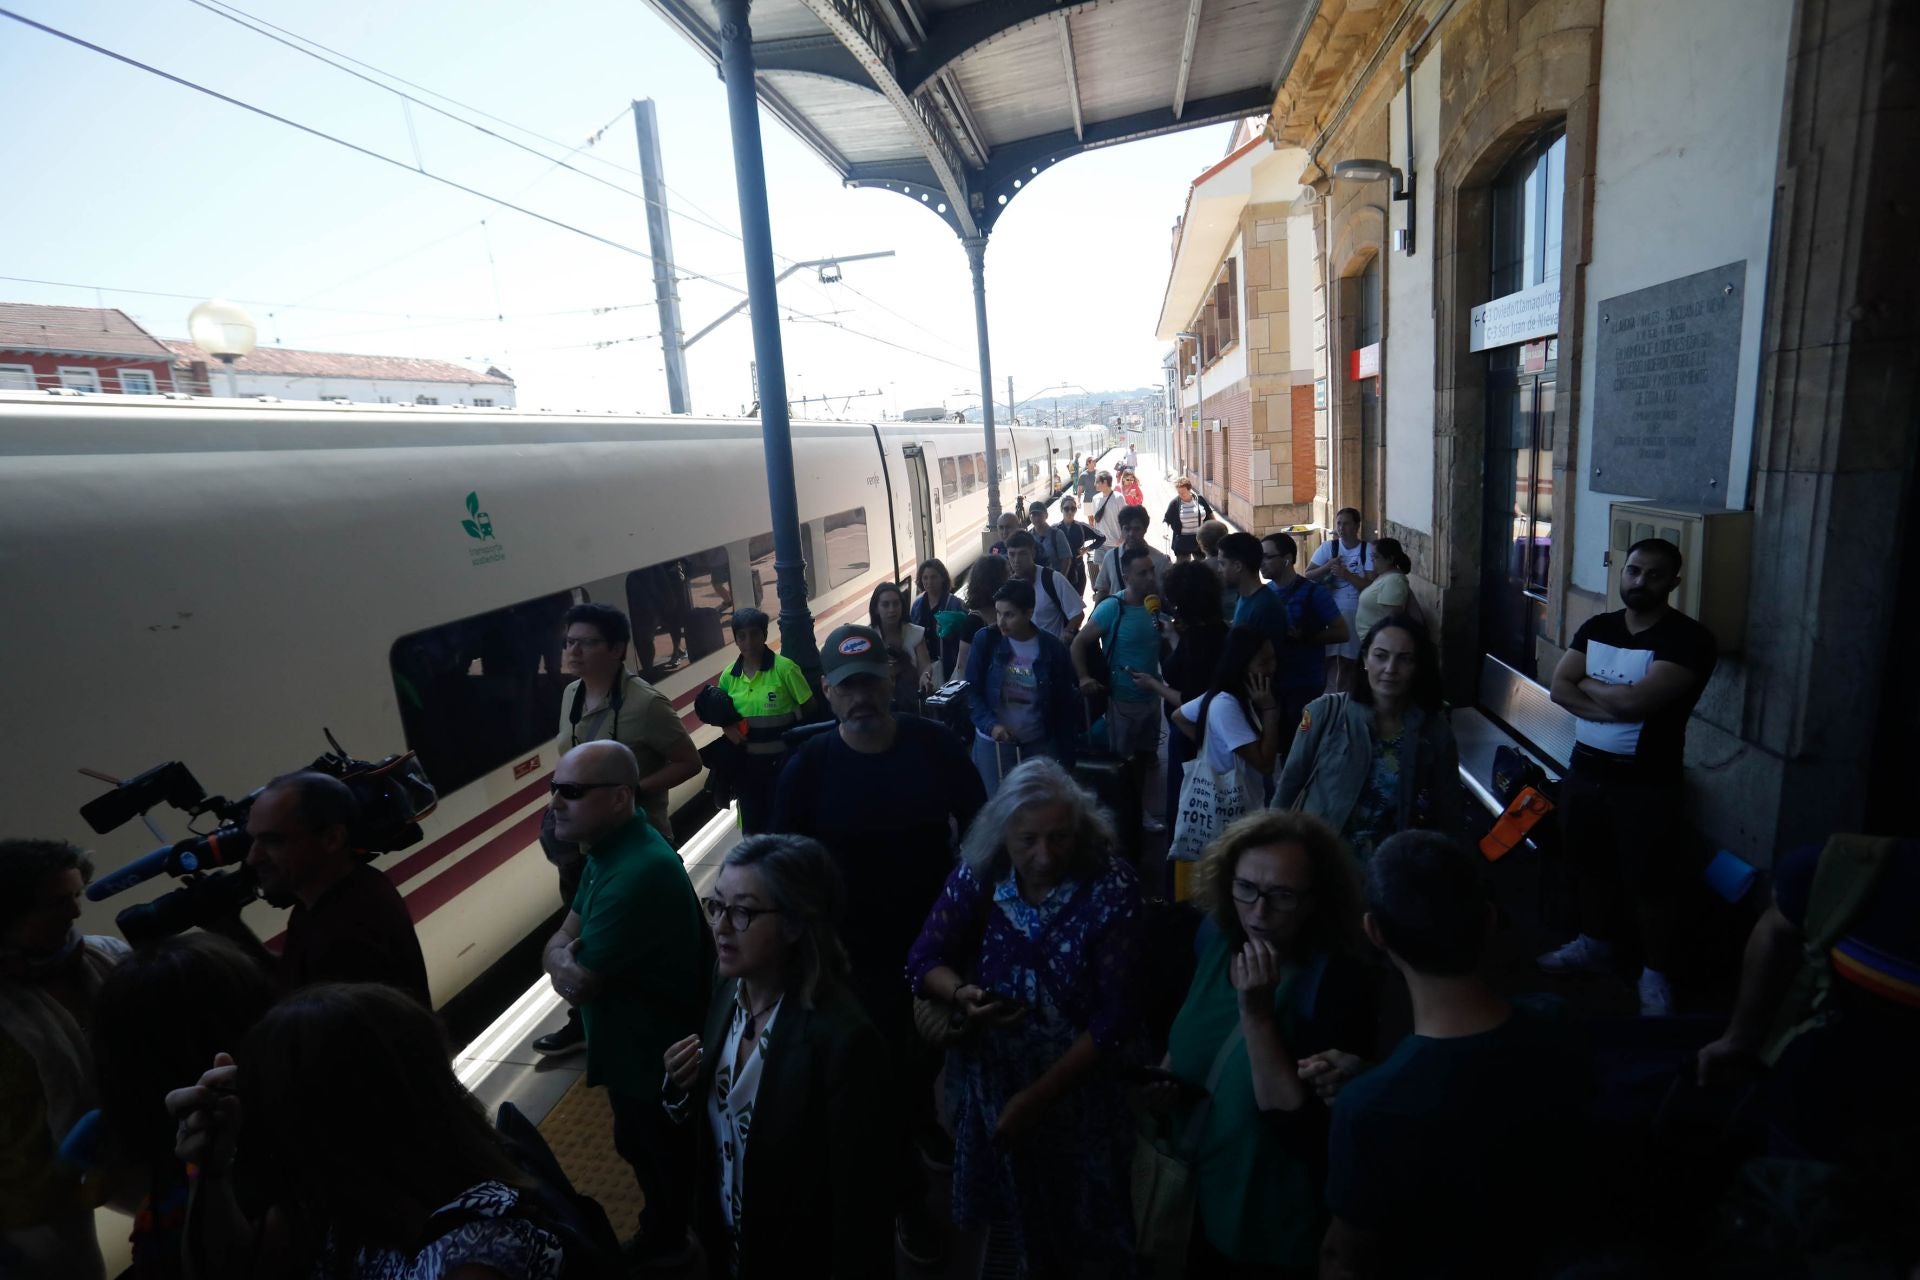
(1716, 550)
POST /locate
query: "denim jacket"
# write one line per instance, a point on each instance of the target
(1332, 759)
(1059, 688)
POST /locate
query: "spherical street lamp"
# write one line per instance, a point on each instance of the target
(225, 332)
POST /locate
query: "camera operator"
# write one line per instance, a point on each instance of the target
(349, 923)
(49, 975)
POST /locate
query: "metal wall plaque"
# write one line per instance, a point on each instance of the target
(1664, 385)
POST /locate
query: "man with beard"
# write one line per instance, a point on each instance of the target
(349, 923)
(1632, 678)
(888, 796)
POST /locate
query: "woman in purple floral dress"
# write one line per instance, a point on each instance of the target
(1036, 938)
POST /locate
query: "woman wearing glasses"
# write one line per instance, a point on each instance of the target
(788, 1083)
(1280, 1010)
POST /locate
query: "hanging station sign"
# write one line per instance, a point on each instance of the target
(1518, 317)
(1364, 362)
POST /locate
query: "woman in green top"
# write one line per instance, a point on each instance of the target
(1279, 1016)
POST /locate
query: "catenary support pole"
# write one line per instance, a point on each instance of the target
(666, 290)
(756, 238)
(977, 260)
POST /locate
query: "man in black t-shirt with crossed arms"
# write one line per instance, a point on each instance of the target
(1632, 678)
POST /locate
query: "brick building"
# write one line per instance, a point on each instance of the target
(1520, 283)
(80, 349)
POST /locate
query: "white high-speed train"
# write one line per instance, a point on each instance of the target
(215, 581)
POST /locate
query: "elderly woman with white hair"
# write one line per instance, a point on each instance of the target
(1034, 943)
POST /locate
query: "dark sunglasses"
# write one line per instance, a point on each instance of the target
(577, 790)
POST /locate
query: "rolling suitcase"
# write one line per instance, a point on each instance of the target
(704, 634)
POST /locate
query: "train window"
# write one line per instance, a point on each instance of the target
(1006, 465)
(765, 588)
(477, 693)
(949, 470)
(846, 546)
(969, 472)
(679, 610)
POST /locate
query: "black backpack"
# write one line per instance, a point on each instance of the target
(588, 1243)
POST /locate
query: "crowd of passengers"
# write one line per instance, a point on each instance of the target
(953, 944)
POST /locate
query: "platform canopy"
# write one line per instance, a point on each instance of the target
(957, 104)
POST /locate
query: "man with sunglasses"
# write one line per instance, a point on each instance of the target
(607, 701)
(635, 956)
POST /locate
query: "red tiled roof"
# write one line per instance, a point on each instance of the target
(29, 326)
(287, 363)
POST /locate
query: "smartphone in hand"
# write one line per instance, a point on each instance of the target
(1159, 1075)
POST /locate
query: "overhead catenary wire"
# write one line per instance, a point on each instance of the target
(351, 146)
(241, 18)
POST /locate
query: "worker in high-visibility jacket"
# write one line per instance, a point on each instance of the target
(771, 695)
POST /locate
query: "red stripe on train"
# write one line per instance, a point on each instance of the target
(462, 875)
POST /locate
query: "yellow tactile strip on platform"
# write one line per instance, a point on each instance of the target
(580, 1131)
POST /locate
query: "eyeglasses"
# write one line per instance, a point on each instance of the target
(741, 918)
(576, 790)
(1281, 897)
(580, 642)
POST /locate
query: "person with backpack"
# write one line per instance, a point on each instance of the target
(1082, 538)
(368, 1156)
(1279, 1016)
(1052, 547)
(1830, 1000)
(1057, 606)
(789, 1066)
(1346, 565)
(1020, 690)
(1105, 506)
(1133, 524)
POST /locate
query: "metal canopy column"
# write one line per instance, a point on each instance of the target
(977, 259)
(756, 238)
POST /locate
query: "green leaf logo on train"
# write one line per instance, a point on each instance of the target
(481, 524)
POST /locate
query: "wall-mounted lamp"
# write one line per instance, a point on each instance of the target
(1400, 187)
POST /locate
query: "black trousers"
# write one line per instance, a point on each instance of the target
(912, 1068)
(1633, 854)
(662, 1155)
(753, 781)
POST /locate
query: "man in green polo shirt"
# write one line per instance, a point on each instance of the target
(771, 695)
(636, 958)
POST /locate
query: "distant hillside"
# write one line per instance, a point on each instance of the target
(1075, 406)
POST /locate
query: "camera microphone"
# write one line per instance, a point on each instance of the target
(220, 848)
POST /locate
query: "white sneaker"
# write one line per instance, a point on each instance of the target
(1582, 955)
(1656, 997)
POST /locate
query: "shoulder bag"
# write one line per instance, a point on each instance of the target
(1210, 800)
(1163, 1192)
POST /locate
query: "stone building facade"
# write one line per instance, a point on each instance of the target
(1545, 286)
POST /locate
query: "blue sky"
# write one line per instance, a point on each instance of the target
(122, 180)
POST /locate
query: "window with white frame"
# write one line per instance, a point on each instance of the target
(138, 382)
(426, 399)
(79, 379)
(16, 377)
(482, 402)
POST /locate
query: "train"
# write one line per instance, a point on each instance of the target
(224, 581)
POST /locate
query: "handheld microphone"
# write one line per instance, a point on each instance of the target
(1151, 604)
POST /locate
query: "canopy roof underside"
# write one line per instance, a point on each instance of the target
(957, 104)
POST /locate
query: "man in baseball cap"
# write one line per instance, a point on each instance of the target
(886, 795)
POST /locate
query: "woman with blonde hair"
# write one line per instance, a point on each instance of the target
(1279, 1016)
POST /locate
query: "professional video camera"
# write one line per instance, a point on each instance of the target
(393, 795)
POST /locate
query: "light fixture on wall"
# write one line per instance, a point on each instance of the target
(1400, 187)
